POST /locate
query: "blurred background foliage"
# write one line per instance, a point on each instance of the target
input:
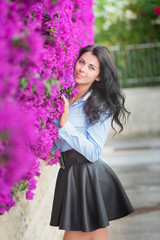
(131, 30)
(126, 22)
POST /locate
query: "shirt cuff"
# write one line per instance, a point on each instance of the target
(68, 127)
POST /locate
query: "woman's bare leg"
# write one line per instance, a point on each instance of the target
(77, 235)
(99, 234)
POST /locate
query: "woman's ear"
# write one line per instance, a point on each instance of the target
(98, 79)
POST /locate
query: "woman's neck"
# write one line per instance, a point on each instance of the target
(82, 90)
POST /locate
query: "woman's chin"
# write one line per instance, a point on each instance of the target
(78, 81)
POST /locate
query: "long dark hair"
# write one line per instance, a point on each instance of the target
(106, 95)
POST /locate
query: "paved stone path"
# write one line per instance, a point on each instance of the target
(137, 164)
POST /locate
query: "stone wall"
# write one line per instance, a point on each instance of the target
(29, 220)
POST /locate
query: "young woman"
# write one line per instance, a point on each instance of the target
(88, 193)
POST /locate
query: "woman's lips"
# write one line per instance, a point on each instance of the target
(78, 75)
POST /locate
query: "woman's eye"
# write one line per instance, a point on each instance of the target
(80, 61)
(92, 68)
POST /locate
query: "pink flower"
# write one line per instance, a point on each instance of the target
(157, 10)
(32, 184)
(42, 46)
(54, 90)
(29, 195)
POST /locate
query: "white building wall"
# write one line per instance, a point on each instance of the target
(144, 105)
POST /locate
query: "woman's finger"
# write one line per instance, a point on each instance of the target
(66, 103)
(65, 100)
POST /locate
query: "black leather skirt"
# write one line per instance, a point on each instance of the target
(87, 195)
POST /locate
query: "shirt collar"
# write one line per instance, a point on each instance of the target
(86, 96)
(82, 99)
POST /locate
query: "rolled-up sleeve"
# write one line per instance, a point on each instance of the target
(91, 145)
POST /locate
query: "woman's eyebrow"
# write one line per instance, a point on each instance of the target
(89, 64)
(92, 65)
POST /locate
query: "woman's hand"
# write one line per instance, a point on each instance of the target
(64, 117)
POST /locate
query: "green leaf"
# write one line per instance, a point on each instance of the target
(54, 80)
(70, 90)
(58, 90)
(32, 14)
(16, 187)
(34, 87)
(49, 83)
(42, 125)
(23, 82)
(3, 158)
(58, 15)
(19, 187)
(54, 1)
(36, 75)
(3, 135)
(22, 181)
(23, 186)
(48, 87)
(14, 194)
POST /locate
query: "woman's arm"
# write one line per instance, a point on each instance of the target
(91, 145)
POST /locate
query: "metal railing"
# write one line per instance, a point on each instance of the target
(137, 65)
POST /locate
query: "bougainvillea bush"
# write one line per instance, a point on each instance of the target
(39, 42)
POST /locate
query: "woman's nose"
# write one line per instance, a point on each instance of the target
(82, 69)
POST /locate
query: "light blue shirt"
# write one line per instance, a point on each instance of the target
(76, 134)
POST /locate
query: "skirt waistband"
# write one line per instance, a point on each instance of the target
(71, 157)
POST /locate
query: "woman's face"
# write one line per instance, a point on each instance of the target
(87, 69)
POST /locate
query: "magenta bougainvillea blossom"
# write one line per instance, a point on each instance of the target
(39, 45)
(157, 10)
(16, 157)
